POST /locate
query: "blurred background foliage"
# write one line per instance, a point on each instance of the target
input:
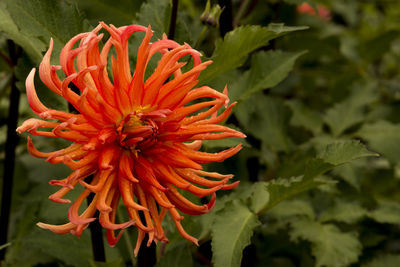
(317, 98)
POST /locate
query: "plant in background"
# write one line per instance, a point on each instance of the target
(312, 100)
(133, 138)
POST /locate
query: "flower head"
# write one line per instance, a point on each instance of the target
(323, 12)
(132, 139)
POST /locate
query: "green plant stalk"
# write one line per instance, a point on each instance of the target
(11, 144)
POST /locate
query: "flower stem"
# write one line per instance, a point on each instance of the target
(172, 24)
(226, 18)
(96, 235)
(127, 239)
(147, 255)
(11, 144)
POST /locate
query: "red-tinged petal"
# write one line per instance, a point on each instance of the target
(45, 71)
(86, 160)
(144, 170)
(105, 221)
(165, 173)
(158, 195)
(139, 241)
(33, 99)
(230, 186)
(111, 239)
(142, 198)
(73, 215)
(182, 203)
(126, 167)
(182, 231)
(58, 229)
(108, 157)
(190, 176)
(220, 118)
(195, 145)
(106, 190)
(126, 190)
(204, 157)
(136, 86)
(159, 232)
(212, 174)
(36, 153)
(174, 158)
(96, 186)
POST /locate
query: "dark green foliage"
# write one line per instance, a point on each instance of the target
(318, 100)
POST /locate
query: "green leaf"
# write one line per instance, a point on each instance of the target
(302, 116)
(157, 14)
(347, 212)
(385, 260)
(43, 19)
(341, 116)
(386, 212)
(233, 51)
(282, 188)
(178, 256)
(231, 233)
(268, 69)
(352, 110)
(333, 155)
(119, 13)
(330, 246)
(383, 137)
(345, 151)
(374, 48)
(266, 118)
(32, 46)
(295, 207)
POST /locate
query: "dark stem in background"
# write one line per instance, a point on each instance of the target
(147, 255)
(11, 144)
(172, 23)
(226, 18)
(96, 233)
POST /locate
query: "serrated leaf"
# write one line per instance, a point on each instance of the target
(233, 51)
(155, 13)
(341, 116)
(383, 137)
(268, 69)
(345, 151)
(386, 212)
(43, 19)
(295, 207)
(179, 256)
(330, 246)
(351, 111)
(384, 261)
(347, 212)
(32, 46)
(266, 118)
(281, 189)
(305, 117)
(333, 155)
(231, 233)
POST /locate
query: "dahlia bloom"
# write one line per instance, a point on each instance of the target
(132, 139)
(323, 12)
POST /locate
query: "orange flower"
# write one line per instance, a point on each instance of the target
(323, 12)
(138, 138)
